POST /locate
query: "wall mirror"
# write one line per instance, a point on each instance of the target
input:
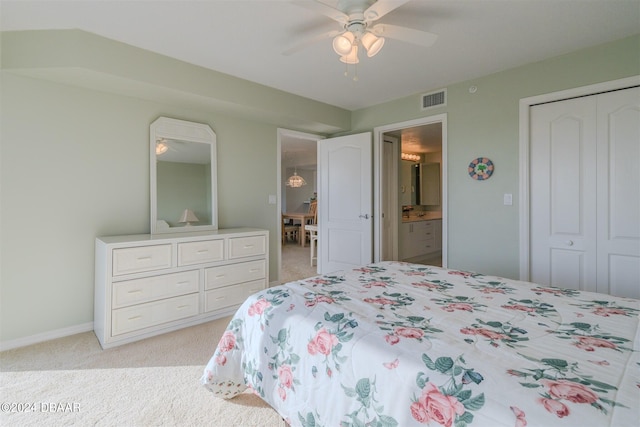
(183, 182)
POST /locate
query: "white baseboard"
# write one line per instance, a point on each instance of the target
(46, 336)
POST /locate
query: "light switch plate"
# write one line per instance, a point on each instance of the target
(272, 199)
(508, 199)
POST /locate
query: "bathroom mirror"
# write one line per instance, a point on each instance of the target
(430, 184)
(182, 176)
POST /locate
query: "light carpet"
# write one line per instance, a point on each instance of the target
(296, 262)
(153, 382)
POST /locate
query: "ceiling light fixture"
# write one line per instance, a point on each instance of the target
(346, 44)
(161, 146)
(361, 27)
(295, 180)
(411, 157)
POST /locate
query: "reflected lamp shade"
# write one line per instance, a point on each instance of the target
(188, 217)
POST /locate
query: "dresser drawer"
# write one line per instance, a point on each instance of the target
(231, 295)
(153, 288)
(153, 313)
(140, 259)
(200, 252)
(240, 247)
(226, 275)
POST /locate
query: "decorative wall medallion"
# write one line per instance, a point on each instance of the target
(481, 168)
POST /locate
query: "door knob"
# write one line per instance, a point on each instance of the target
(365, 216)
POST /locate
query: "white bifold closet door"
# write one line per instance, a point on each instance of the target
(585, 193)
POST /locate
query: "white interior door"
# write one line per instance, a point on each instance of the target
(345, 202)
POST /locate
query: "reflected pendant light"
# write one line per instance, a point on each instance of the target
(161, 146)
(295, 180)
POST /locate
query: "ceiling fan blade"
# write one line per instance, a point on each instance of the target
(322, 8)
(309, 42)
(381, 8)
(409, 35)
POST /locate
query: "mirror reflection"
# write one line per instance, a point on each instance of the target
(182, 177)
(425, 184)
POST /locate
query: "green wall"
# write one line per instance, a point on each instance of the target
(183, 186)
(483, 233)
(74, 135)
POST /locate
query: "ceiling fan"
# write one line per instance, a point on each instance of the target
(357, 18)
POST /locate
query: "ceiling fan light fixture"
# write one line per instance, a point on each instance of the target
(343, 43)
(372, 43)
(161, 147)
(351, 57)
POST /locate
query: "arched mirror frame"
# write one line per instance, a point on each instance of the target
(185, 132)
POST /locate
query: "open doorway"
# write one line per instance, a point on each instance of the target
(412, 187)
(297, 156)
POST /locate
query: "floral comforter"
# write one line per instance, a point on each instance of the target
(398, 344)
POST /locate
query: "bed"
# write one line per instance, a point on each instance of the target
(399, 344)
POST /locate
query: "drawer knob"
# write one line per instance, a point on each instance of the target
(203, 251)
(135, 291)
(248, 246)
(144, 258)
(134, 318)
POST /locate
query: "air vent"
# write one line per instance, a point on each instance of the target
(434, 99)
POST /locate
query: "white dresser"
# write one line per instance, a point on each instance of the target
(147, 285)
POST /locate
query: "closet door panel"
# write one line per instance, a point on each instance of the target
(624, 275)
(563, 202)
(618, 192)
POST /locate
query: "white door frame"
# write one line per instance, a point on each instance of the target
(525, 105)
(283, 134)
(378, 141)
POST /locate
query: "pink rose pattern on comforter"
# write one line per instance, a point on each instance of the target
(398, 344)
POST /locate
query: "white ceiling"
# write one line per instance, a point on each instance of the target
(246, 38)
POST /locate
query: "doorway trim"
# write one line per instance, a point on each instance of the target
(378, 203)
(282, 135)
(524, 162)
